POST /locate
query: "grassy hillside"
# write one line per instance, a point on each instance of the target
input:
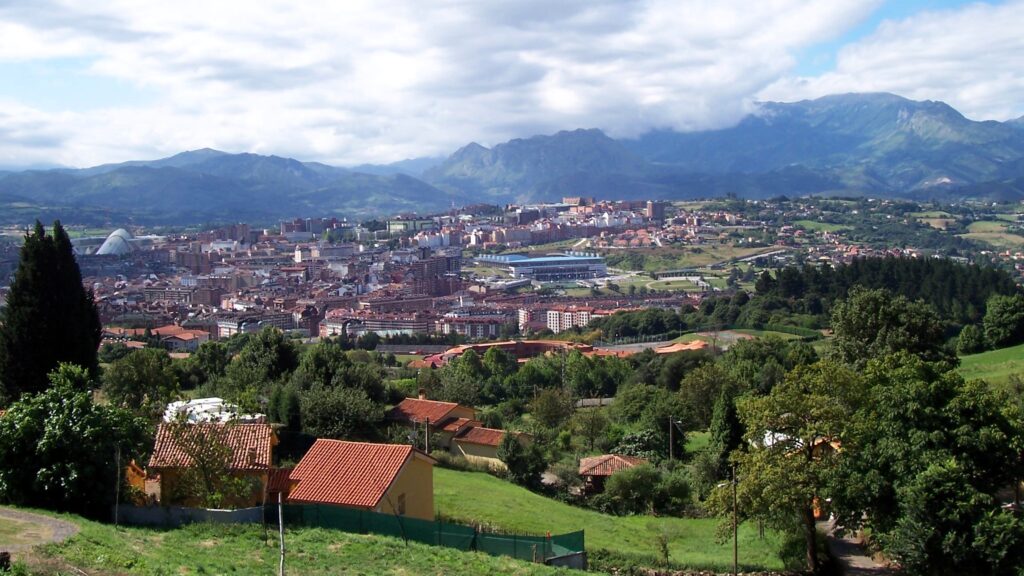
(994, 366)
(483, 499)
(101, 549)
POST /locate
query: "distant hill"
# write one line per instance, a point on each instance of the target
(878, 144)
(208, 185)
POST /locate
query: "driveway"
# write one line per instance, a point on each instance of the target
(21, 530)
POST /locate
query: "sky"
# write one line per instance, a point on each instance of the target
(351, 82)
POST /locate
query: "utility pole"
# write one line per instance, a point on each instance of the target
(280, 529)
(117, 486)
(671, 438)
(735, 527)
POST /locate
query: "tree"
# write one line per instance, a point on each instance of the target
(790, 433)
(591, 424)
(932, 452)
(142, 381)
(50, 318)
(208, 479)
(551, 408)
(875, 323)
(1004, 320)
(726, 431)
(339, 413)
(525, 464)
(971, 340)
(59, 450)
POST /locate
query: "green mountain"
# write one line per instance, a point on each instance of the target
(852, 143)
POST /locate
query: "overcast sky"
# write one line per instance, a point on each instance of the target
(348, 82)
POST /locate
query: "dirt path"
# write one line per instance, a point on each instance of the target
(21, 530)
(852, 556)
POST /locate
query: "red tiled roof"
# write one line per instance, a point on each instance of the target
(607, 464)
(347, 473)
(485, 436)
(416, 410)
(454, 425)
(250, 444)
(279, 480)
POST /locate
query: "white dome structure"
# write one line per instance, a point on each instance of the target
(117, 244)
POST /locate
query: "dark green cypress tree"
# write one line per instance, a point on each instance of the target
(49, 318)
(726, 430)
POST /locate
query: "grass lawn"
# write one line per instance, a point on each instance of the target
(697, 441)
(763, 333)
(931, 214)
(678, 285)
(994, 366)
(816, 226)
(481, 498)
(242, 549)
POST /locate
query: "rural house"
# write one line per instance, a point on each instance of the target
(595, 470)
(452, 428)
(385, 478)
(251, 449)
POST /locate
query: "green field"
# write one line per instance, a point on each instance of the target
(986, 226)
(995, 366)
(931, 214)
(1001, 240)
(676, 257)
(247, 549)
(482, 499)
(816, 226)
(763, 333)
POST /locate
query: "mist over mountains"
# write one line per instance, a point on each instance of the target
(877, 144)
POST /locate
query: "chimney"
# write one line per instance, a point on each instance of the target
(423, 393)
(251, 457)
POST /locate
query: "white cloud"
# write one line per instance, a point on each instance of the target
(351, 82)
(970, 58)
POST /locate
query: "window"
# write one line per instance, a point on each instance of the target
(401, 504)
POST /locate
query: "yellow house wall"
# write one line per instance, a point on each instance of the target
(416, 481)
(478, 453)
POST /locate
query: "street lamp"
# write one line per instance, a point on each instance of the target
(672, 423)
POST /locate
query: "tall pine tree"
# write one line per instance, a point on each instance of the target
(50, 317)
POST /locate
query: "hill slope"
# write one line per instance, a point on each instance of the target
(480, 498)
(246, 549)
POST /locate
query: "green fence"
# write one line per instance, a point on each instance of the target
(436, 532)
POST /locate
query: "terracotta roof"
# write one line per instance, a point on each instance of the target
(416, 410)
(348, 473)
(455, 424)
(485, 436)
(251, 444)
(279, 480)
(607, 464)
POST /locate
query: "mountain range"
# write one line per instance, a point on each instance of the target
(877, 144)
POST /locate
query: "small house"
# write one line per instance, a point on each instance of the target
(385, 478)
(251, 449)
(595, 470)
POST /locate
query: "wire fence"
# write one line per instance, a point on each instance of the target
(434, 532)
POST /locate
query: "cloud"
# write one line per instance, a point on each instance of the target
(967, 57)
(352, 82)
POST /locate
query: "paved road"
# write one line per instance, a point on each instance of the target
(851, 555)
(34, 529)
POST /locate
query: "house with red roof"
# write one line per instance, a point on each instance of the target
(175, 451)
(453, 428)
(384, 478)
(595, 470)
